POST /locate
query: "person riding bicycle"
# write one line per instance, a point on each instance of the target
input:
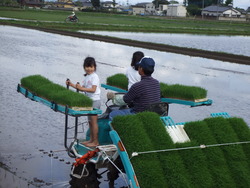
(73, 16)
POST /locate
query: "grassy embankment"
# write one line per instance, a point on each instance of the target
(120, 22)
(44, 88)
(224, 166)
(176, 91)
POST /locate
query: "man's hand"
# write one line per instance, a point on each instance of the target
(110, 95)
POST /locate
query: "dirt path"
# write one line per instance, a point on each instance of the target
(240, 59)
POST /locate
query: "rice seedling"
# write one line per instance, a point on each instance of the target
(34, 82)
(118, 22)
(224, 166)
(44, 88)
(176, 91)
(183, 92)
(147, 167)
(118, 80)
(217, 165)
(243, 132)
(235, 156)
(196, 165)
(173, 167)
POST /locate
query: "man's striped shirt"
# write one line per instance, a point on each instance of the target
(143, 93)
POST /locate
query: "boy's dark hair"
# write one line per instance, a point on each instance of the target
(89, 62)
(136, 58)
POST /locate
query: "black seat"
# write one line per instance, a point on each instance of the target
(160, 108)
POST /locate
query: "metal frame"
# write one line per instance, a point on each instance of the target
(63, 109)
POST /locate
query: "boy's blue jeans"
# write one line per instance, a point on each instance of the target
(122, 112)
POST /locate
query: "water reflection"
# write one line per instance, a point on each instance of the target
(219, 43)
(28, 127)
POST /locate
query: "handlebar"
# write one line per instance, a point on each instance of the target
(77, 90)
(68, 84)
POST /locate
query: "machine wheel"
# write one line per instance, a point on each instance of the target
(113, 173)
(67, 20)
(90, 181)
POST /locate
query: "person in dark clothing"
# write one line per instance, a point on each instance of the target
(142, 93)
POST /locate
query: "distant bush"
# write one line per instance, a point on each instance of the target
(44, 88)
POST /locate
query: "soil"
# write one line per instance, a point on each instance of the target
(232, 58)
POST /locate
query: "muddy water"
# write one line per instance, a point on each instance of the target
(31, 134)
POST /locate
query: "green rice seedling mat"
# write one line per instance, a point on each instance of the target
(176, 91)
(44, 88)
(220, 166)
(118, 80)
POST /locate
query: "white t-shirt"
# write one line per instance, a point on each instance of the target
(133, 76)
(89, 81)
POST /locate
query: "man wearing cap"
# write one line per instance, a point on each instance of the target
(142, 93)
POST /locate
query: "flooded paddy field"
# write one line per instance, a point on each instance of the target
(32, 135)
(238, 45)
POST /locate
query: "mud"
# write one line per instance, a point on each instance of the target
(245, 60)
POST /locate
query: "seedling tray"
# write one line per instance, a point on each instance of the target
(56, 107)
(168, 100)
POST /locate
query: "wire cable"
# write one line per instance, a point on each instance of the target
(202, 146)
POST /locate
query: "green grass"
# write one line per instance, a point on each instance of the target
(224, 166)
(176, 91)
(44, 88)
(121, 22)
